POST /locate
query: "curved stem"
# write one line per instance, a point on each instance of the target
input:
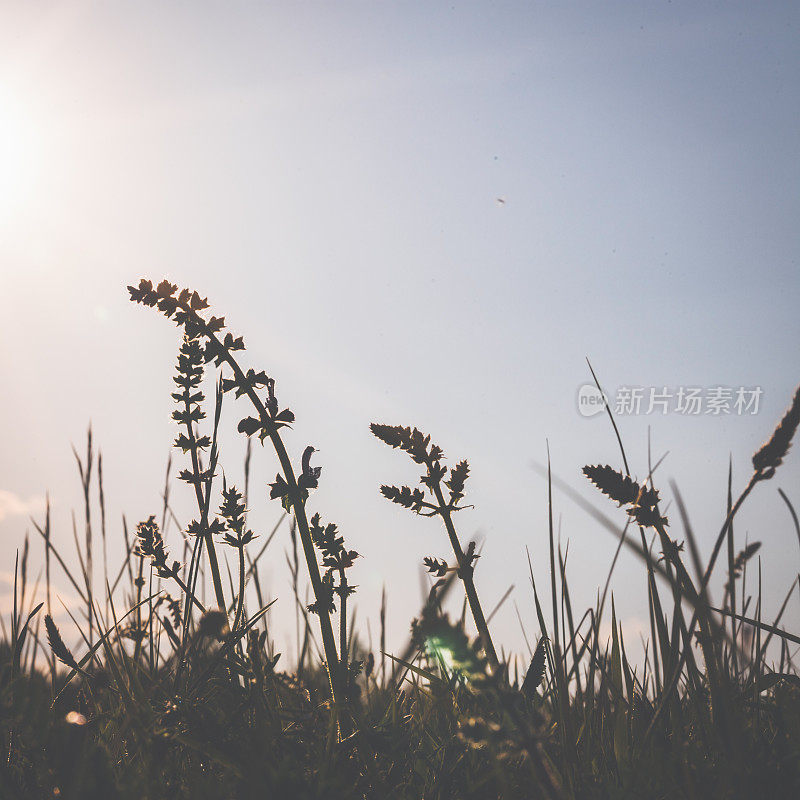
(326, 628)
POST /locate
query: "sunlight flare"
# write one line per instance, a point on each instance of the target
(20, 155)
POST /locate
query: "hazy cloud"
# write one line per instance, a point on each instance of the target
(12, 505)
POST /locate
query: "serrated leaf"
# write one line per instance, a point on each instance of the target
(435, 566)
(405, 497)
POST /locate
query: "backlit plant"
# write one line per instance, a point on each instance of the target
(149, 693)
(203, 344)
(431, 502)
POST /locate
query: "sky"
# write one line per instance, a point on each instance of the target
(424, 214)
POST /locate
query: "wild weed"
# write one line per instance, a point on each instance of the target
(156, 691)
(423, 452)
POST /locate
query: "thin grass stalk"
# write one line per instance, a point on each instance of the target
(572, 643)
(500, 603)
(190, 593)
(102, 503)
(653, 639)
(129, 544)
(565, 717)
(754, 623)
(343, 642)
(240, 604)
(125, 566)
(745, 600)
(15, 611)
(731, 577)
(563, 623)
(165, 495)
(294, 571)
(658, 632)
(757, 675)
(709, 628)
(674, 678)
(543, 632)
(126, 662)
(778, 618)
(792, 512)
(150, 641)
(90, 655)
(86, 477)
(139, 584)
(252, 569)
(47, 547)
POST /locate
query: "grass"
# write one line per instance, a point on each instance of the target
(169, 694)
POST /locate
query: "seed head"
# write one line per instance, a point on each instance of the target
(773, 452)
(60, 650)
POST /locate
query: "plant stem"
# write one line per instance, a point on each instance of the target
(240, 605)
(202, 503)
(343, 619)
(465, 572)
(326, 628)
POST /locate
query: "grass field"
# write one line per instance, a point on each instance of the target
(168, 696)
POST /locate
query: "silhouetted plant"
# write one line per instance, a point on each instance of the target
(57, 645)
(185, 309)
(190, 398)
(234, 513)
(150, 544)
(336, 559)
(422, 451)
(535, 674)
(163, 702)
(643, 508)
(772, 453)
(643, 502)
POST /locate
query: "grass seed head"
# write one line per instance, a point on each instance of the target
(624, 490)
(772, 453)
(57, 645)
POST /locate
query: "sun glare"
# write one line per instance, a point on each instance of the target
(20, 155)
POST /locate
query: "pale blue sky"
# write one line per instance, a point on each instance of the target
(329, 175)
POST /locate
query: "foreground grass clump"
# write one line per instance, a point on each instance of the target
(170, 694)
